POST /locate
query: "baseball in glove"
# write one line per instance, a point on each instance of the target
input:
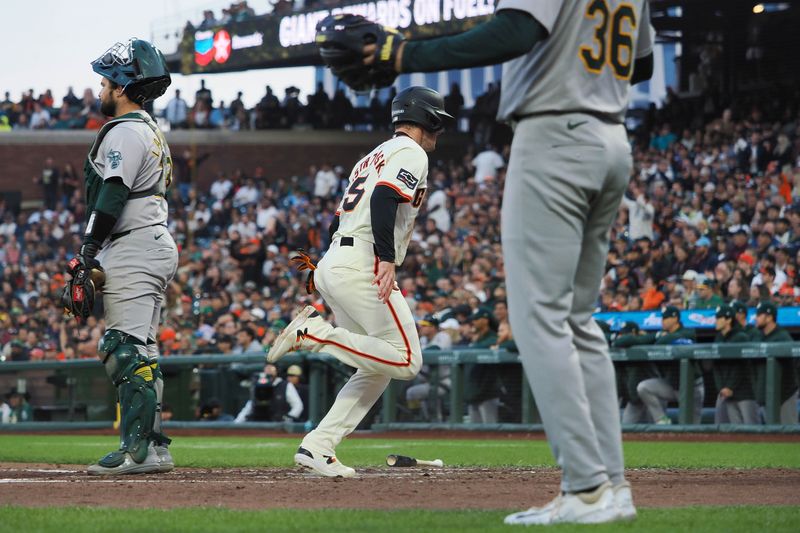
(79, 293)
(341, 40)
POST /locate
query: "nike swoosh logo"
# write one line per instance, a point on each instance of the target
(573, 125)
(159, 236)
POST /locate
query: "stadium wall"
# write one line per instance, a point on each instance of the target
(281, 153)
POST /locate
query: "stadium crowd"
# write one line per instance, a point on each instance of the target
(709, 217)
(320, 111)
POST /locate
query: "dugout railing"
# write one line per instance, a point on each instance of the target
(84, 398)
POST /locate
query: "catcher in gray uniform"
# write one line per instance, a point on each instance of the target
(127, 174)
(569, 66)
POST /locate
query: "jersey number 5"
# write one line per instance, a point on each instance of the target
(608, 47)
(354, 193)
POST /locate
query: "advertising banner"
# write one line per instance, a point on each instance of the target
(288, 40)
(691, 318)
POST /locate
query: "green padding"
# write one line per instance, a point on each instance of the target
(129, 370)
(112, 197)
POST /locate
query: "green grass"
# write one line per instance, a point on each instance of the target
(89, 520)
(220, 452)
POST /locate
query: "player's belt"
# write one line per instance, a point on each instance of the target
(599, 116)
(350, 241)
(116, 236)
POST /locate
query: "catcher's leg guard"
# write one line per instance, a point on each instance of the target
(129, 370)
(159, 438)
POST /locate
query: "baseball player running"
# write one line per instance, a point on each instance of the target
(127, 173)
(376, 333)
(569, 65)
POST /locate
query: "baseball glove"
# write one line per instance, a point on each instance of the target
(79, 293)
(341, 40)
(303, 262)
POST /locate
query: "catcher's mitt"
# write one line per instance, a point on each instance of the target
(303, 262)
(79, 293)
(341, 40)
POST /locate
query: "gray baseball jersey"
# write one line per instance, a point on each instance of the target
(140, 258)
(137, 152)
(586, 62)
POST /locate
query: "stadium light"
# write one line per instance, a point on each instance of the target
(758, 8)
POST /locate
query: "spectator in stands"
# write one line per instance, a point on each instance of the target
(326, 182)
(177, 111)
(200, 115)
(225, 344)
(663, 382)
(203, 94)
(40, 118)
(701, 259)
(736, 400)
(209, 21)
(453, 103)
(765, 284)
(70, 183)
(292, 108)
(640, 212)
(341, 110)
(269, 111)
(769, 331)
(486, 164)
(664, 139)
(690, 291)
(49, 180)
(247, 342)
(707, 294)
(318, 107)
(751, 155)
(70, 98)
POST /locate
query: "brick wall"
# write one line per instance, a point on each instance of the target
(280, 153)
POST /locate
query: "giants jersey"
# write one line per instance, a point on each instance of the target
(586, 62)
(399, 163)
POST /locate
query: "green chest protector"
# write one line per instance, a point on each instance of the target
(94, 177)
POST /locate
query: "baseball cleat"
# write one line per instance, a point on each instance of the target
(165, 461)
(291, 336)
(324, 465)
(623, 499)
(594, 507)
(150, 465)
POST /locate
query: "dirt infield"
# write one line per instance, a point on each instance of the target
(377, 488)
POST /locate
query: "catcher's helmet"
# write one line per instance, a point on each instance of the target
(137, 66)
(421, 106)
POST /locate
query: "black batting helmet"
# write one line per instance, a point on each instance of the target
(421, 106)
(138, 66)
